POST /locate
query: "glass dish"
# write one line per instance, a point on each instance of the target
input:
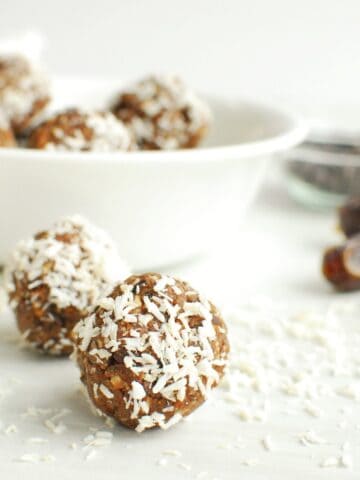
(324, 170)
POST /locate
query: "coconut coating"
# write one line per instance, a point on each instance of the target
(54, 277)
(24, 92)
(163, 113)
(7, 138)
(76, 130)
(151, 351)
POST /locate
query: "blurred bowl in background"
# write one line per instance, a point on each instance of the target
(162, 207)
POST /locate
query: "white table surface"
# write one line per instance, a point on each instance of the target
(276, 255)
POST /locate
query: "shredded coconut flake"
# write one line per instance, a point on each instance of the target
(311, 438)
(172, 453)
(56, 428)
(37, 440)
(36, 458)
(10, 429)
(330, 462)
(184, 466)
(267, 443)
(105, 391)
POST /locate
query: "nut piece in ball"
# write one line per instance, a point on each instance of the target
(151, 351)
(7, 138)
(163, 113)
(76, 130)
(54, 277)
(24, 92)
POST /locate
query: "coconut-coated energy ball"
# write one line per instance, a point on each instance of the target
(76, 130)
(24, 91)
(151, 351)
(7, 138)
(163, 113)
(54, 277)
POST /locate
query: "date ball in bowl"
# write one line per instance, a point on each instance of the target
(55, 276)
(151, 351)
(7, 138)
(24, 91)
(163, 113)
(162, 207)
(78, 130)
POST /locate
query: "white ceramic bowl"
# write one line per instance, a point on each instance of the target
(161, 207)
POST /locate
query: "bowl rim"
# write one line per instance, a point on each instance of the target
(323, 158)
(293, 133)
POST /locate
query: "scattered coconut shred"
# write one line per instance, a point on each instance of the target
(305, 358)
(277, 358)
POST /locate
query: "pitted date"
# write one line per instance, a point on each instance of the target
(341, 265)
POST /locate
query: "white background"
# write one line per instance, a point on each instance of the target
(302, 53)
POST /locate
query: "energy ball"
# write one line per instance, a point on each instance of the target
(24, 92)
(7, 138)
(75, 130)
(151, 351)
(163, 113)
(53, 278)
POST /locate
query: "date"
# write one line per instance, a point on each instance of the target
(349, 217)
(341, 265)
